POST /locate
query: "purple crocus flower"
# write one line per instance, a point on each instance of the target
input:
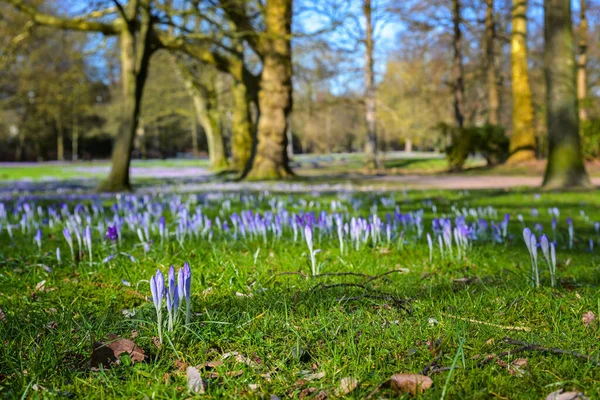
(38, 239)
(112, 233)
(187, 283)
(171, 296)
(157, 288)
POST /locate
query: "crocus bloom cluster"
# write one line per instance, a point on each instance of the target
(175, 292)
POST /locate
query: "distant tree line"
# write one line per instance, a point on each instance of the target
(251, 81)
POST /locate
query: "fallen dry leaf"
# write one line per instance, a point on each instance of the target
(588, 318)
(312, 377)
(211, 365)
(322, 395)
(516, 367)
(240, 358)
(562, 395)
(215, 375)
(347, 385)
(306, 392)
(2, 316)
(107, 352)
(410, 383)
(195, 383)
(40, 286)
(180, 365)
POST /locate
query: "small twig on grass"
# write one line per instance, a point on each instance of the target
(491, 357)
(299, 273)
(398, 270)
(552, 350)
(507, 327)
(342, 274)
(432, 365)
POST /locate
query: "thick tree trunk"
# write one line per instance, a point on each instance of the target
(208, 118)
(134, 72)
(582, 63)
(242, 127)
(522, 141)
(492, 74)
(371, 158)
(194, 132)
(459, 80)
(209, 121)
(565, 166)
(270, 160)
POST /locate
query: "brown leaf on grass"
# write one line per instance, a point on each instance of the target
(588, 318)
(195, 383)
(215, 375)
(312, 377)
(562, 395)
(347, 385)
(240, 358)
(107, 352)
(410, 383)
(180, 365)
(2, 316)
(516, 367)
(322, 395)
(210, 365)
(307, 392)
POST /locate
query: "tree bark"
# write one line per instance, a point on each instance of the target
(208, 118)
(75, 139)
(60, 140)
(492, 74)
(458, 69)
(194, 132)
(565, 166)
(242, 127)
(582, 63)
(137, 47)
(371, 157)
(522, 141)
(270, 160)
(209, 121)
(134, 72)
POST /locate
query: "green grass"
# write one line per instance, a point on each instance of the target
(241, 304)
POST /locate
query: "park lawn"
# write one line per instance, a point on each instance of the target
(299, 335)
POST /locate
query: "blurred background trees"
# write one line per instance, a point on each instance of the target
(249, 83)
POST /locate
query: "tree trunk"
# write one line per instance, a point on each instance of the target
(75, 139)
(408, 146)
(522, 141)
(60, 140)
(565, 166)
(137, 44)
(242, 127)
(194, 132)
(582, 63)
(371, 158)
(208, 118)
(270, 160)
(133, 81)
(459, 80)
(141, 135)
(492, 75)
